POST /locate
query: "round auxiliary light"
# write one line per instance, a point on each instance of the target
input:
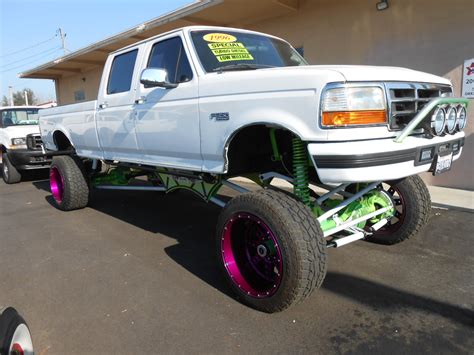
(461, 117)
(451, 119)
(438, 121)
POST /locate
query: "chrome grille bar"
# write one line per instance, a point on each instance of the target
(34, 142)
(405, 100)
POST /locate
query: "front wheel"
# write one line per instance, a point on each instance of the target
(9, 173)
(412, 210)
(271, 249)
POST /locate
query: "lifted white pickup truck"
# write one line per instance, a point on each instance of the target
(20, 142)
(196, 106)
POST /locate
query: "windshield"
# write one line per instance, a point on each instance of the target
(231, 50)
(19, 117)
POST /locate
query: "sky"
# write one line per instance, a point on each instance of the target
(28, 32)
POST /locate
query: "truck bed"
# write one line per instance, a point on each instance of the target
(78, 123)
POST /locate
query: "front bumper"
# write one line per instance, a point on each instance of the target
(379, 159)
(25, 159)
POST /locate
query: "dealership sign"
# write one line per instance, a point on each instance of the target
(468, 79)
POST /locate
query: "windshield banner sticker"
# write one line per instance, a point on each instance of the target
(219, 37)
(230, 51)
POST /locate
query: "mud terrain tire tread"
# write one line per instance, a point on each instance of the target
(300, 237)
(76, 188)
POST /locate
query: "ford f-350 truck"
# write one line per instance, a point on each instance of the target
(194, 107)
(20, 142)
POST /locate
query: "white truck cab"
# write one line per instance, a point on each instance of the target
(194, 107)
(20, 142)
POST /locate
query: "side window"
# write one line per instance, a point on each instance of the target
(8, 119)
(121, 73)
(170, 55)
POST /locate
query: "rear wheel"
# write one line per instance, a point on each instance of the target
(412, 210)
(68, 183)
(271, 250)
(9, 173)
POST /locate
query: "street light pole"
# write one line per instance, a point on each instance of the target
(63, 40)
(10, 94)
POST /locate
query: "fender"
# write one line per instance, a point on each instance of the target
(295, 111)
(63, 130)
(240, 129)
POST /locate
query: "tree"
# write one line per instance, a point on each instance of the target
(19, 98)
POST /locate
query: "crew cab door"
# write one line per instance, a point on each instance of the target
(115, 117)
(167, 119)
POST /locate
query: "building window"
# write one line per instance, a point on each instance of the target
(79, 95)
(121, 73)
(300, 50)
(170, 55)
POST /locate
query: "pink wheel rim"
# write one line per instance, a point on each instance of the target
(56, 183)
(251, 255)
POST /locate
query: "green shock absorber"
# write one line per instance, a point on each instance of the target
(300, 171)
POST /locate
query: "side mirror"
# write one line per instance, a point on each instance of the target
(153, 77)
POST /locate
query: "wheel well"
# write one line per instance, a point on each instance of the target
(250, 151)
(62, 142)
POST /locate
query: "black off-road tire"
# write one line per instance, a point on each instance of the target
(76, 188)
(299, 236)
(416, 209)
(9, 173)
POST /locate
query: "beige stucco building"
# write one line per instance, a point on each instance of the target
(435, 36)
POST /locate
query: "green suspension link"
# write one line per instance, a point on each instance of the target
(116, 176)
(300, 171)
(276, 154)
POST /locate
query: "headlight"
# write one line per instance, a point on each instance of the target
(438, 121)
(451, 119)
(461, 118)
(346, 106)
(19, 141)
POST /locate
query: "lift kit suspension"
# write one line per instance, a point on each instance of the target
(300, 171)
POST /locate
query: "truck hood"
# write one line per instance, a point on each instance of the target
(20, 131)
(308, 77)
(378, 73)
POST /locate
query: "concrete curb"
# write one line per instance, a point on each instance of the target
(443, 197)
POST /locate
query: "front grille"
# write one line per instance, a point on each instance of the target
(405, 100)
(34, 142)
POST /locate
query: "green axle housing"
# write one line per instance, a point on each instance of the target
(369, 203)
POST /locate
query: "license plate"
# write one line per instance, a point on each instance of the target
(443, 163)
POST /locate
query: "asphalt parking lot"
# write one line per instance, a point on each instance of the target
(135, 273)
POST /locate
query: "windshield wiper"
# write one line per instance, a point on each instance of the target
(241, 66)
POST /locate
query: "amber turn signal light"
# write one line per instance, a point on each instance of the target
(347, 118)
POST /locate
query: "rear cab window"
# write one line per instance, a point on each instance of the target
(121, 72)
